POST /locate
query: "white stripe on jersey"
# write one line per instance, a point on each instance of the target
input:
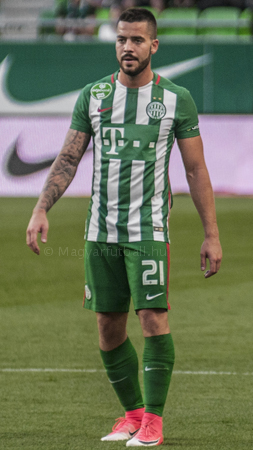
(157, 201)
(113, 200)
(94, 220)
(136, 199)
(119, 103)
(144, 97)
(169, 100)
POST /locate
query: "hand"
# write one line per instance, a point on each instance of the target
(38, 224)
(211, 249)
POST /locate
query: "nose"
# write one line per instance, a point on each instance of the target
(128, 46)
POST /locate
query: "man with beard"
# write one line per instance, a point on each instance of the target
(133, 116)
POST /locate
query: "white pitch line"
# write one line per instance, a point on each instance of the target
(176, 372)
(211, 372)
(52, 370)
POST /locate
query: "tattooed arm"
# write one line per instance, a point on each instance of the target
(60, 176)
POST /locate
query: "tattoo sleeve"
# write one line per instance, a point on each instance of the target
(63, 168)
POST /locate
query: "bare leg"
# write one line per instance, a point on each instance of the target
(112, 330)
(154, 322)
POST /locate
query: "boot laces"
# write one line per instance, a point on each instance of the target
(120, 421)
(148, 428)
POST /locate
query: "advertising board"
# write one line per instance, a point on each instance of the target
(28, 146)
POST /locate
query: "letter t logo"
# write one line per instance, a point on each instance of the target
(113, 138)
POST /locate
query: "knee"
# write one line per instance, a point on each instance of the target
(153, 322)
(105, 325)
(112, 330)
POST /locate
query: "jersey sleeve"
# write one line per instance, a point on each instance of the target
(186, 117)
(80, 117)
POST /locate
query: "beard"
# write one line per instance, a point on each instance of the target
(134, 72)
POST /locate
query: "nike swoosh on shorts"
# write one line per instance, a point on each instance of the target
(151, 297)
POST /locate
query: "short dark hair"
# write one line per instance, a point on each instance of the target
(140, 15)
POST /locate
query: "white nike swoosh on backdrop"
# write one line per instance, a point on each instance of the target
(181, 68)
(59, 104)
(64, 103)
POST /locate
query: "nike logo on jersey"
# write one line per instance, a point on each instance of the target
(16, 167)
(151, 297)
(193, 128)
(104, 109)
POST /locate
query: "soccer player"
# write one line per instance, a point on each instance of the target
(133, 116)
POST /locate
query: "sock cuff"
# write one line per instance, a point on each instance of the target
(159, 345)
(118, 354)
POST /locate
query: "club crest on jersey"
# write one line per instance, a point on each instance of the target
(101, 91)
(156, 110)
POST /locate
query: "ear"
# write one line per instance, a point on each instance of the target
(154, 46)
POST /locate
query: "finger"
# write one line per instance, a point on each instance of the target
(218, 264)
(28, 237)
(35, 248)
(213, 269)
(31, 241)
(44, 235)
(203, 262)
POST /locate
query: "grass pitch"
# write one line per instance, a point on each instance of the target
(70, 405)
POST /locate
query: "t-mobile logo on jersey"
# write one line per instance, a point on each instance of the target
(109, 138)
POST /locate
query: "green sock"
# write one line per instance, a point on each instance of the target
(121, 365)
(158, 361)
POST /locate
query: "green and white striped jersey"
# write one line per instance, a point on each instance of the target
(133, 132)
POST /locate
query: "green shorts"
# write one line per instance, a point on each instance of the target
(116, 272)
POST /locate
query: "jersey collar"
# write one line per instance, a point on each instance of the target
(156, 79)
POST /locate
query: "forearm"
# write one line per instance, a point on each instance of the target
(60, 176)
(63, 169)
(203, 198)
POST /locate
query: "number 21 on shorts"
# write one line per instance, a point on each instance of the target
(155, 269)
